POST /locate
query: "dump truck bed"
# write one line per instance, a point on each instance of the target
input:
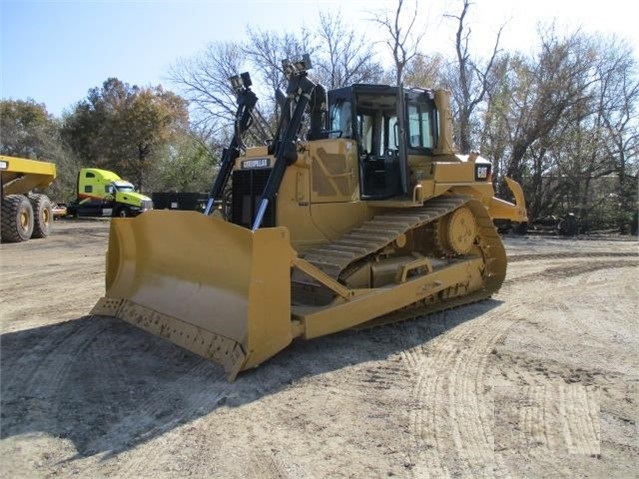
(20, 175)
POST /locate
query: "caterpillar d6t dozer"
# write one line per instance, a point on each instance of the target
(371, 217)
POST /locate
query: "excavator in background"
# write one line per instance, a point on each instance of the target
(363, 216)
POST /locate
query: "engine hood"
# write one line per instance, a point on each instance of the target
(131, 198)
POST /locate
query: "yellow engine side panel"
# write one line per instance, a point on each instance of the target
(318, 200)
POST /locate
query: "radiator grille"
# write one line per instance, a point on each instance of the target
(248, 186)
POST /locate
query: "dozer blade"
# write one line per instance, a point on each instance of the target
(212, 287)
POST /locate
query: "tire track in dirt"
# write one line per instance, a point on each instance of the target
(263, 466)
(470, 397)
(579, 412)
(561, 418)
(457, 372)
(578, 405)
(411, 358)
(103, 346)
(567, 299)
(567, 271)
(533, 417)
(428, 443)
(616, 320)
(537, 427)
(38, 387)
(166, 407)
(46, 374)
(453, 381)
(515, 258)
(562, 414)
(371, 391)
(272, 415)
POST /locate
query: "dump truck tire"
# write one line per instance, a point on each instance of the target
(42, 215)
(17, 219)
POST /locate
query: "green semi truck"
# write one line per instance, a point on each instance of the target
(104, 193)
(24, 214)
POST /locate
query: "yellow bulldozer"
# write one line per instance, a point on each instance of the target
(362, 215)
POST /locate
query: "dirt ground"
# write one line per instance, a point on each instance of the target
(540, 381)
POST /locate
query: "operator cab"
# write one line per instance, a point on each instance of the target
(369, 115)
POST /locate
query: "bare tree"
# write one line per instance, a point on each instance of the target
(265, 51)
(204, 81)
(338, 55)
(345, 57)
(403, 42)
(468, 80)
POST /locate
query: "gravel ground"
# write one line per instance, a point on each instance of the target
(540, 381)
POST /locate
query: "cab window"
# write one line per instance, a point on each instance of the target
(365, 130)
(340, 115)
(391, 128)
(420, 126)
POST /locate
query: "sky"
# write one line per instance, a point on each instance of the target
(55, 51)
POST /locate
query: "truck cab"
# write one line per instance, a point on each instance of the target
(104, 193)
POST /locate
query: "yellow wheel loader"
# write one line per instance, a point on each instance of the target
(365, 216)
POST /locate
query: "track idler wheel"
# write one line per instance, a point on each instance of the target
(455, 233)
(462, 230)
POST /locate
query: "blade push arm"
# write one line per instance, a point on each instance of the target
(246, 101)
(299, 91)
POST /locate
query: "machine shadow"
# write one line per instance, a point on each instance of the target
(108, 386)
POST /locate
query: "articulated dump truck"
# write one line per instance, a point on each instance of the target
(370, 217)
(23, 213)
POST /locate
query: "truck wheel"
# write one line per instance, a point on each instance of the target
(72, 211)
(17, 219)
(42, 215)
(122, 212)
